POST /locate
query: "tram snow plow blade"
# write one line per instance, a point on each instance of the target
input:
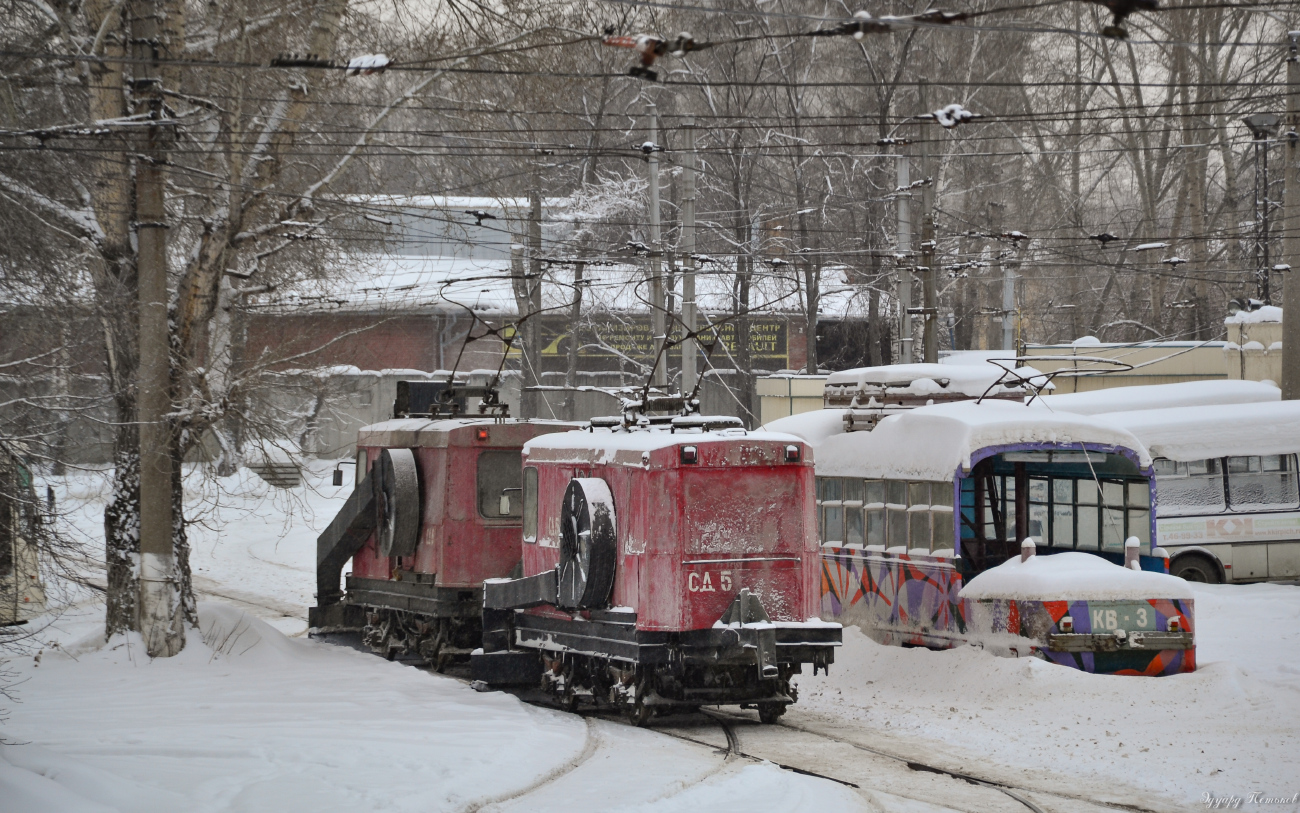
(518, 594)
(352, 526)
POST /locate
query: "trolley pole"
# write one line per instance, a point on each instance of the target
(904, 258)
(160, 614)
(690, 374)
(1291, 227)
(658, 328)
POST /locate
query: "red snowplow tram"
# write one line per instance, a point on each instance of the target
(437, 509)
(666, 567)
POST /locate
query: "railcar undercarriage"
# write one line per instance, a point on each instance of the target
(417, 618)
(603, 658)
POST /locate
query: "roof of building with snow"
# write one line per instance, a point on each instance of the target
(484, 286)
(1200, 432)
(933, 442)
(1267, 313)
(456, 254)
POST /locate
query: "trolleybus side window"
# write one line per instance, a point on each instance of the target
(1193, 487)
(530, 504)
(1262, 482)
(499, 487)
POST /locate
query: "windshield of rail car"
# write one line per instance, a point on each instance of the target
(746, 511)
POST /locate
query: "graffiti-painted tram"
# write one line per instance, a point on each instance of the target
(917, 505)
(665, 567)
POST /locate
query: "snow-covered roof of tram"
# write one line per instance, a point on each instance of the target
(932, 442)
(1161, 396)
(605, 443)
(1200, 432)
(930, 379)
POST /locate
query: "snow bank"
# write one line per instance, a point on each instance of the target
(245, 719)
(1268, 313)
(1072, 576)
(932, 442)
(1160, 396)
(1231, 727)
(1198, 432)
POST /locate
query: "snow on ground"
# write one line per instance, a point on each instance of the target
(245, 719)
(254, 721)
(1231, 727)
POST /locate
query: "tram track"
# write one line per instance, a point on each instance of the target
(730, 724)
(1015, 792)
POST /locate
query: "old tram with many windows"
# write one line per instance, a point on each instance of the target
(916, 505)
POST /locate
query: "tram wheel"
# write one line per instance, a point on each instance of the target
(769, 713)
(638, 713)
(1196, 569)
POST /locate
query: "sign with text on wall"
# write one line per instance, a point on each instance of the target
(607, 341)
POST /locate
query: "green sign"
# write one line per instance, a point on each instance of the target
(606, 341)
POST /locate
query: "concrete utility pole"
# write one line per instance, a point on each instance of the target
(530, 402)
(1262, 128)
(1008, 304)
(689, 345)
(1291, 227)
(160, 613)
(658, 326)
(904, 258)
(929, 294)
(575, 335)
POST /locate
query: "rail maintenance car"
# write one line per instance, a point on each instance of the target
(665, 567)
(436, 510)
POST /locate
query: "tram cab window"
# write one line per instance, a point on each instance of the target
(1265, 482)
(530, 504)
(499, 487)
(1072, 512)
